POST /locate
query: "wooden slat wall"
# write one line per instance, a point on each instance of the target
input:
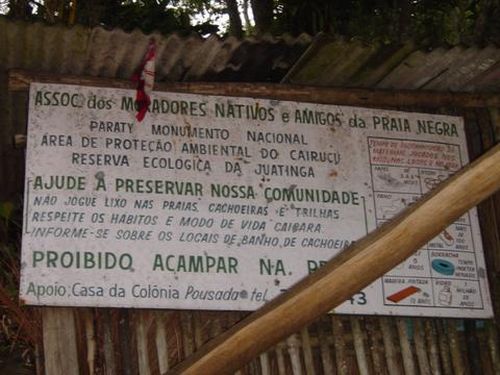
(120, 341)
(333, 345)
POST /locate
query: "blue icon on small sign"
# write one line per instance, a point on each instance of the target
(443, 267)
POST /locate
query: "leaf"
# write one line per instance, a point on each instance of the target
(6, 209)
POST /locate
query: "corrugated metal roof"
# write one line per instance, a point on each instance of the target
(340, 63)
(116, 53)
(328, 61)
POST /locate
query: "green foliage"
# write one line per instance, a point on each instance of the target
(424, 21)
(148, 16)
(20, 326)
(9, 243)
(445, 22)
(6, 210)
(164, 16)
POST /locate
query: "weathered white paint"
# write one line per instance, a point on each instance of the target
(360, 167)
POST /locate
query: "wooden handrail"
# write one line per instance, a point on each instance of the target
(351, 271)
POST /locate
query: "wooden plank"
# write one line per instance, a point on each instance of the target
(106, 341)
(359, 346)
(432, 345)
(420, 348)
(404, 343)
(280, 359)
(20, 80)
(142, 325)
(457, 354)
(340, 346)
(472, 344)
(189, 345)
(375, 346)
(326, 356)
(293, 347)
(368, 259)
(391, 355)
(493, 345)
(444, 347)
(59, 341)
(81, 343)
(90, 339)
(495, 120)
(486, 363)
(161, 342)
(307, 350)
(127, 341)
(265, 367)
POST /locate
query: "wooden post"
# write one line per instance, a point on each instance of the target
(59, 341)
(351, 271)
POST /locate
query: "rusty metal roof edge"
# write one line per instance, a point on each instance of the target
(322, 60)
(396, 69)
(288, 38)
(100, 51)
(313, 47)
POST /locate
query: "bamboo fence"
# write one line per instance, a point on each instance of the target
(112, 341)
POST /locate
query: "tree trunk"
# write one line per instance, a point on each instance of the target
(403, 7)
(246, 17)
(235, 27)
(19, 9)
(263, 15)
(483, 13)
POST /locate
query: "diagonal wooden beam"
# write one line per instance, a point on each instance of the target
(351, 271)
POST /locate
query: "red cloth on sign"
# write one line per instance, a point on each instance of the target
(145, 78)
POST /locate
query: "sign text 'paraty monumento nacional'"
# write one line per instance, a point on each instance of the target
(222, 203)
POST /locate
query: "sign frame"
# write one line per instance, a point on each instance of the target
(243, 94)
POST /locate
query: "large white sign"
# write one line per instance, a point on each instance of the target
(223, 203)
